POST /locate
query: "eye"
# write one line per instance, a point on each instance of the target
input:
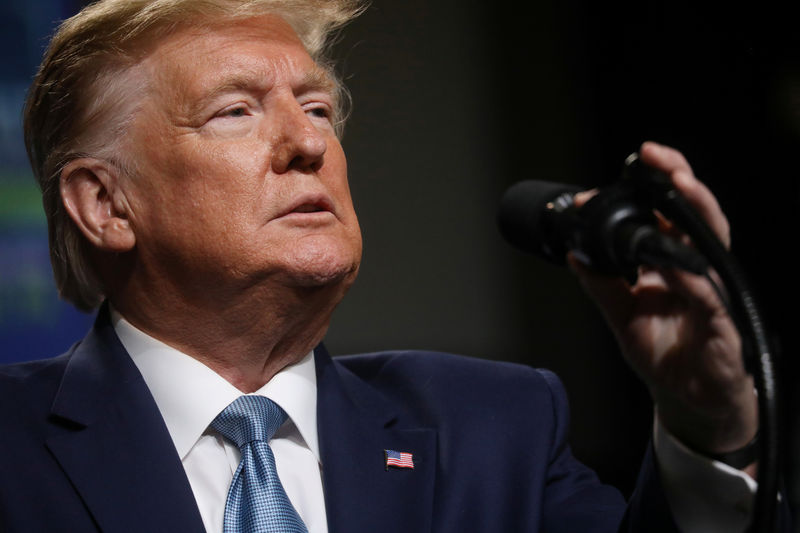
(234, 120)
(319, 112)
(236, 111)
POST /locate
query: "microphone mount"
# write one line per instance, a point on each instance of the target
(616, 230)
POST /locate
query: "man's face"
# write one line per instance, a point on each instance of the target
(239, 177)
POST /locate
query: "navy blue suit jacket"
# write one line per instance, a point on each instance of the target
(84, 448)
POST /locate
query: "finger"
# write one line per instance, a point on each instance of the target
(697, 291)
(696, 193)
(584, 196)
(664, 158)
(705, 203)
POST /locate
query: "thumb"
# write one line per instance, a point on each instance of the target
(611, 293)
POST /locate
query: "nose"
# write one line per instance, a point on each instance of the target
(297, 143)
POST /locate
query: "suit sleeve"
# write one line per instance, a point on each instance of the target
(576, 500)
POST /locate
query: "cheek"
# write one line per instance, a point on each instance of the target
(218, 178)
(336, 170)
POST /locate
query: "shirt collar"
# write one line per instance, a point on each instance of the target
(190, 395)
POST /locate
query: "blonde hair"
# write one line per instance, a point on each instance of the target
(80, 102)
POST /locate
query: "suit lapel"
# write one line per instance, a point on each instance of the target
(356, 425)
(112, 443)
(109, 438)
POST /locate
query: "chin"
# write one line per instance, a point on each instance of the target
(323, 268)
(321, 279)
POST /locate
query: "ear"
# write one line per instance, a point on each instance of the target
(94, 200)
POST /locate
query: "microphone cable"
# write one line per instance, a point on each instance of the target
(614, 233)
(655, 189)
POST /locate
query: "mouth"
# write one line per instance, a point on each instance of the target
(309, 204)
(308, 208)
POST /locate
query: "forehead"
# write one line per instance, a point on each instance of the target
(197, 61)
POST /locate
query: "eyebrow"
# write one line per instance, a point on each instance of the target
(316, 79)
(319, 79)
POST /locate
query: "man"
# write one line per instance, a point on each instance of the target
(196, 189)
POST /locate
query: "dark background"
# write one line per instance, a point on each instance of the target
(456, 100)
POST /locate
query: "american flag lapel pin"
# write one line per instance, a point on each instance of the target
(398, 459)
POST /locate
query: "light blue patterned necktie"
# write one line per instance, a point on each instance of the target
(256, 502)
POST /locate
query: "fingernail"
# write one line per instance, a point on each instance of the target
(652, 145)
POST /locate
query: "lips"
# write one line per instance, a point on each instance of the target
(309, 203)
(308, 208)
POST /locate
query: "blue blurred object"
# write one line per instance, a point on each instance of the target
(34, 323)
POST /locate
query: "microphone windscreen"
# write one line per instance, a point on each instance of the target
(520, 216)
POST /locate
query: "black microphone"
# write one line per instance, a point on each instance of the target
(613, 233)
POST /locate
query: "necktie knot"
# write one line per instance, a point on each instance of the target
(248, 419)
(256, 500)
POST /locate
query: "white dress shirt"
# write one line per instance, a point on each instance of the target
(190, 395)
(705, 496)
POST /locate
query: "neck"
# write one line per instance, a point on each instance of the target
(246, 338)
